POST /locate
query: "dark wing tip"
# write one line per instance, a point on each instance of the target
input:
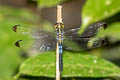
(15, 28)
(17, 43)
(103, 24)
(103, 42)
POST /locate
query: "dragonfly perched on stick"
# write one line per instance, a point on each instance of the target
(46, 41)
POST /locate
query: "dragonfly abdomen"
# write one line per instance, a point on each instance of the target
(60, 58)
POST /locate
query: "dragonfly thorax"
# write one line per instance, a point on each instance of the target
(59, 31)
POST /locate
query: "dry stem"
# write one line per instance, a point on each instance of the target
(59, 20)
(59, 14)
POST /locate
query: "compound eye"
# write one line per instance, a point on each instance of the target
(56, 26)
(62, 26)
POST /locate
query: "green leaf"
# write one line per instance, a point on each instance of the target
(97, 10)
(74, 65)
(113, 32)
(48, 3)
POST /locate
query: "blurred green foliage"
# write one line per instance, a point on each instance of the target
(48, 3)
(93, 11)
(9, 54)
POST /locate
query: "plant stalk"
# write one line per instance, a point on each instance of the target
(59, 20)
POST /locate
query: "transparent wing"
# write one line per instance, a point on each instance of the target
(44, 41)
(90, 31)
(41, 40)
(32, 31)
(81, 44)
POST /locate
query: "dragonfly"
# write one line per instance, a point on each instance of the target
(68, 40)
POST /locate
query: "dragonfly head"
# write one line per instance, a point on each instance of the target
(59, 28)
